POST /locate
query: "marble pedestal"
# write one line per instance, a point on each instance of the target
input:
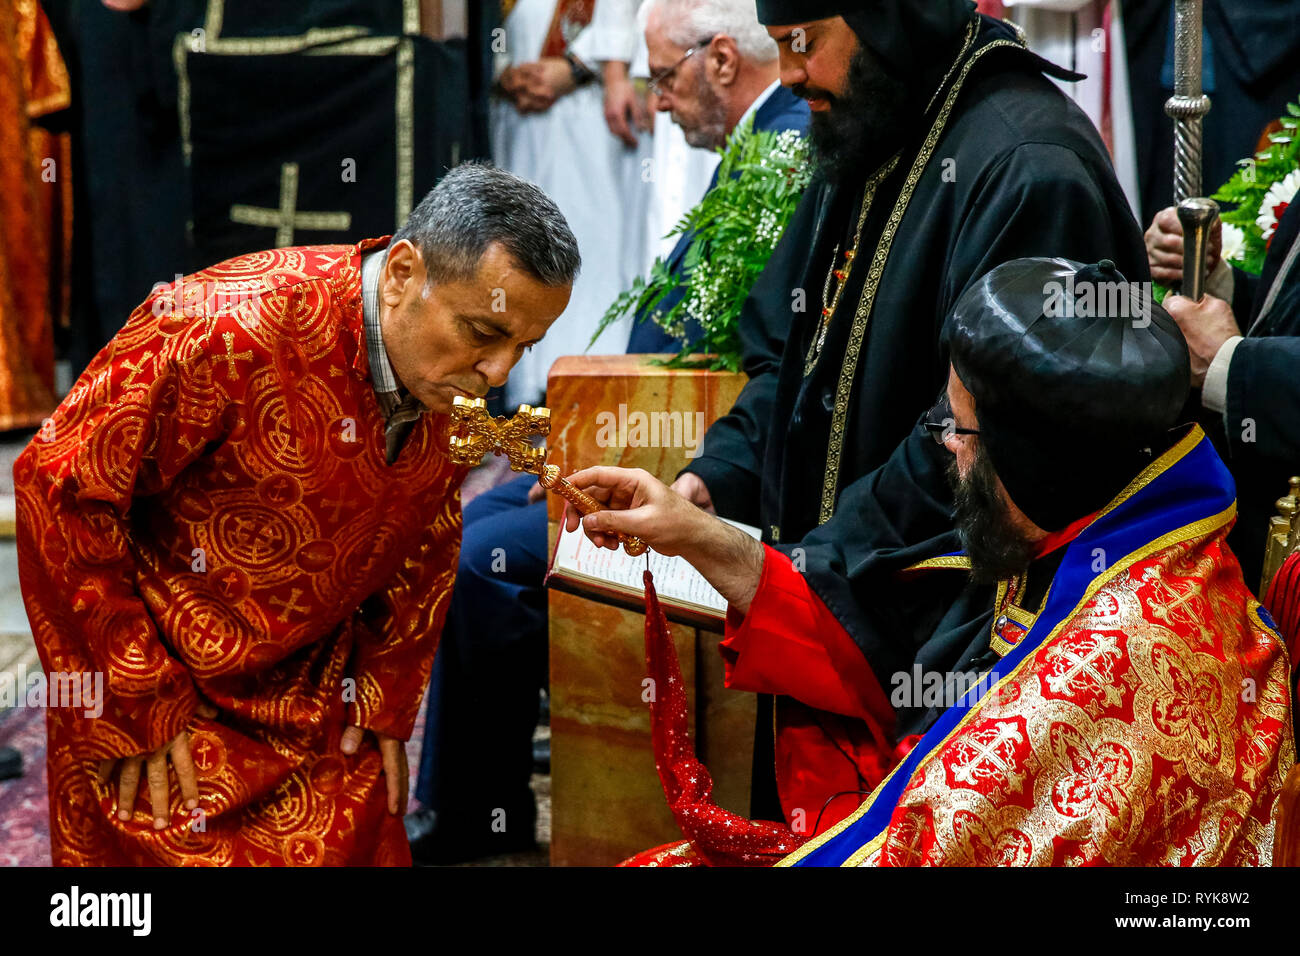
(607, 802)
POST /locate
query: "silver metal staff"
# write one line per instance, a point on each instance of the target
(1187, 107)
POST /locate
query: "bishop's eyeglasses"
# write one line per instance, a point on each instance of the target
(665, 78)
(941, 425)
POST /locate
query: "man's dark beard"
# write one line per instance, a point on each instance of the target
(861, 129)
(984, 523)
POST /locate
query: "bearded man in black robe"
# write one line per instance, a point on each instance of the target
(942, 150)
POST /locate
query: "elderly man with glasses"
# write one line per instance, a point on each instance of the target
(714, 69)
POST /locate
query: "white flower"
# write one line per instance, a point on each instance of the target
(1234, 242)
(1279, 194)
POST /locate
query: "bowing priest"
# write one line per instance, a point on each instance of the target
(244, 519)
(942, 149)
(1123, 698)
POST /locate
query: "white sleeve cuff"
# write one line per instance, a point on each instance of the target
(1219, 283)
(1214, 393)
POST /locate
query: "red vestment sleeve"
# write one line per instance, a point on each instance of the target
(142, 412)
(791, 645)
(395, 647)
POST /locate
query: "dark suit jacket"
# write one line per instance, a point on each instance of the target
(782, 110)
(1261, 422)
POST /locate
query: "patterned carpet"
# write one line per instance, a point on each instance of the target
(24, 808)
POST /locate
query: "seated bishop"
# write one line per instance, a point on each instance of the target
(1123, 701)
(244, 518)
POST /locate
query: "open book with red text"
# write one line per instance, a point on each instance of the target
(614, 577)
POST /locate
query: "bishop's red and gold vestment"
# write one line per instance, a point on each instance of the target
(1141, 716)
(209, 516)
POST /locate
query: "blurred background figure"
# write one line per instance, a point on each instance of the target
(567, 117)
(713, 68)
(1250, 71)
(35, 199)
(35, 216)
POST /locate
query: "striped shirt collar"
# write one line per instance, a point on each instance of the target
(381, 370)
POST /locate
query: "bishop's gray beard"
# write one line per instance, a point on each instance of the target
(983, 520)
(862, 128)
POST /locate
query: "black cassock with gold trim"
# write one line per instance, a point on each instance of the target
(823, 450)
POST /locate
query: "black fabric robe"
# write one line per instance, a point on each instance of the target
(1018, 170)
(1258, 434)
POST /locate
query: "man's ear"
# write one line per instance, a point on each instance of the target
(404, 265)
(726, 59)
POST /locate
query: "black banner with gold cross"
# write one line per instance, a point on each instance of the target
(330, 135)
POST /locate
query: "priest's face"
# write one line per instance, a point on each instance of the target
(857, 106)
(461, 337)
(685, 85)
(815, 59)
(994, 532)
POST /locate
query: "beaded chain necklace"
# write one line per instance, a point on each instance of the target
(841, 277)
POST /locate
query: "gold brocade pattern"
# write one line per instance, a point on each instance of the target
(1125, 739)
(209, 516)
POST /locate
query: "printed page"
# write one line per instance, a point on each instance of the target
(675, 579)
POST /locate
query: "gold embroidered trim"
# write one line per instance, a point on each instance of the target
(835, 446)
(1155, 469)
(404, 111)
(215, 16)
(1020, 615)
(1004, 606)
(331, 41)
(357, 46)
(944, 561)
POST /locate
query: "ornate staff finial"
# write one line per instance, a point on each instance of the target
(1187, 107)
(475, 433)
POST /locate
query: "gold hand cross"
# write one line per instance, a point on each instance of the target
(475, 433)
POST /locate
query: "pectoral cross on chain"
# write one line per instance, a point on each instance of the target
(475, 433)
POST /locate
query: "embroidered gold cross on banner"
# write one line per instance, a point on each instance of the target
(286, 219)
(475, 433)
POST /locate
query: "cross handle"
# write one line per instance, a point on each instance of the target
(550, 480)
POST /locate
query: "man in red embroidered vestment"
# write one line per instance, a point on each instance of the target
(243, 517)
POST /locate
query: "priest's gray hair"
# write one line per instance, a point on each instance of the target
(687, 22)
(475, 205)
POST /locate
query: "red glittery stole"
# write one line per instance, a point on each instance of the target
(720, 837)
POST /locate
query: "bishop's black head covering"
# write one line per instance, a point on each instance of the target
(913, 38)
(1077, 376)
